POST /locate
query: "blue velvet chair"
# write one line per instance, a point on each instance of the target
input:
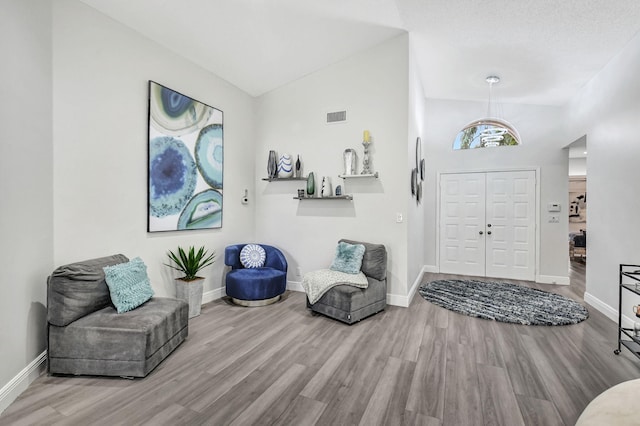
(255, 286)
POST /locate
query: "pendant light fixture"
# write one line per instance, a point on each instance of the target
(490, 131)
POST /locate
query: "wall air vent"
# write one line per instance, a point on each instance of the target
(336, 117)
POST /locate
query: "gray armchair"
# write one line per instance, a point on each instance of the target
(351, 304)
(86, 336)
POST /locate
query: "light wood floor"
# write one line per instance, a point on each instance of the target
(421, 365)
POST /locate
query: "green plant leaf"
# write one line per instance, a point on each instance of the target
(190, 262)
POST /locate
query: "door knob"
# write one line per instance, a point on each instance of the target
(481, 232)
(488, 225)
(488, 232)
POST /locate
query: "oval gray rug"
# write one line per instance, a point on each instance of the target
(504, 302)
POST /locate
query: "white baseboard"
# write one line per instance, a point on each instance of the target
(19, 383)
(295, 286)
(433, 269)
(397, 300)
(552, 279)
(215, 294)
(607, 310)
(418, 280)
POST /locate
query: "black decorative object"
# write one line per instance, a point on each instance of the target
(338, 190)
(504, 302)
(298, 167)
(272, 165)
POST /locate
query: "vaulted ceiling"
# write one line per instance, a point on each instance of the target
(543, 50)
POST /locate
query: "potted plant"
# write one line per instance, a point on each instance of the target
(190, 286)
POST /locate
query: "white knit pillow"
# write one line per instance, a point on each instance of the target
(252, 256)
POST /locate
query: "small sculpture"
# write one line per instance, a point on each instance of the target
(349, 161)
(272, 165)
(298, 167)
(326, 187)
(366, 141)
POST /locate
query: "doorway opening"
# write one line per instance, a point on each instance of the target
(577, 203)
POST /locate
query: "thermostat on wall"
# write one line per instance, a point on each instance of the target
(553, 207)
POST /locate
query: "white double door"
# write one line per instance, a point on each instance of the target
(488, 224)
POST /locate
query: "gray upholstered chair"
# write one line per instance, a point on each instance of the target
(86, 336)
(351, 304)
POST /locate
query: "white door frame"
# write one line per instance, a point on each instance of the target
(489, 170)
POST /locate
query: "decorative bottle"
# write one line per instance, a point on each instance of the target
(311, 184)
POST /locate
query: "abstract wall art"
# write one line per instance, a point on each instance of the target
(185, 166)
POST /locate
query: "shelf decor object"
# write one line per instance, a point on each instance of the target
(366, 141)
(285, 166)
(349, 161)
(272, 165)
(326, 187)
(298, 169)
(311, 184)
(185, 162)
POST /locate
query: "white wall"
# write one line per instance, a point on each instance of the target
(26, 191)
(577, 166)
(415, 211)
(607, 110)
(101, 69)
(539, 129)
(372, 86)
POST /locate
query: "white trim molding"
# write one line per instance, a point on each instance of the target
(418, 280)
(215, 294)
(607, 310)
(552, 279)
(19, 383)
(295, 286)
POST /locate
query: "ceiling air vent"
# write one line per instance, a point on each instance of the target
(336, 117)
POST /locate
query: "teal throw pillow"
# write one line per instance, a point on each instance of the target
(348, 258)
(128, 284)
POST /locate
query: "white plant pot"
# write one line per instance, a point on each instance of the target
(191, 292)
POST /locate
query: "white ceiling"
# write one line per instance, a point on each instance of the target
(543, 50)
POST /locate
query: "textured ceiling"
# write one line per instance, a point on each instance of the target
(544, 50)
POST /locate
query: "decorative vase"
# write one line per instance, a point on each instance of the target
(349, 161)
(285, 166)
(326, 187)
(272, 165)
(191, 292)
(311, 184)
(298, 168)
(338, 190)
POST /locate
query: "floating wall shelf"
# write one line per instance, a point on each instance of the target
(334, 197)
(277, 179)
(369, 175)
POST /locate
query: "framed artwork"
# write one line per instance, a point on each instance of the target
(578, 207)
(185, 162)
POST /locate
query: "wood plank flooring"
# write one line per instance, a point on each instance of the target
(422, 365)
